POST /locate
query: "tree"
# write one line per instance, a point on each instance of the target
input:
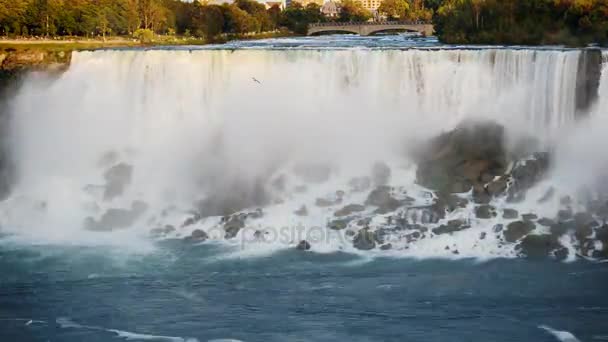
(207, 21)
(394, 8)
(353, 11)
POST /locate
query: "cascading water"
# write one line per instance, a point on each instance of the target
(150, 136)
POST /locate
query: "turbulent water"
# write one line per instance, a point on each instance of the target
(126, 142)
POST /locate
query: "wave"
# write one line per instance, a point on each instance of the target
(563, 336)
(67, 323)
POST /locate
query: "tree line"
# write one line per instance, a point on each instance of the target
(572, 22)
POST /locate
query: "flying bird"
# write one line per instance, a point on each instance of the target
(256, 80)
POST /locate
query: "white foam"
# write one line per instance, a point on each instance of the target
(563, 336)
(67, 323)
(194, 124)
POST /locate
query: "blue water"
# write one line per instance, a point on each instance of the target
(181, 291)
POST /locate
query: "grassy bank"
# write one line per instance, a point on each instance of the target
(78, 44)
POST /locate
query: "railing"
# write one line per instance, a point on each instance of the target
(353, 23)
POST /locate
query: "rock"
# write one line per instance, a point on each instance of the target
(192, 220)
(413, 237)
(303, 246)
(584, 219)
(458, 159)
(381, 173)
(451, 227)
(382, 198)
(510, 214)
(561, 228)
(485, 212)
(360, 184)
(518, 229)
(538, 246)
(529, 217)
(497, 187)
(386, 247)
(546, 222)
(349, 210)
(565, 201)
(481, 195)
(338, 224)
(497, 228)
(561, 253)
(584, 224)
(303, 211)
(117, 218)
(197, 236)
(527, 173)
(564, 215)
(482, 236)
(233, 225)
(547, 196)
(364, 240)
(117, 178)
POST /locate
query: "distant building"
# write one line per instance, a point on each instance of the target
(330, 9)
(370, 5)
(280, 4)
(306, 2)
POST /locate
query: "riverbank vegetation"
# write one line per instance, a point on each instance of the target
(101, 23)
(530, 22)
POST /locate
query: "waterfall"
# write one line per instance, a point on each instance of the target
(186, 125)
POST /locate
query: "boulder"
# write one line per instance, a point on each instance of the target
(518, 229)
(364, 240)
(233, 224)
(510, 214)
(451, 227)
(462, 158)
(386, 247)
(349, 210)
(338, 224)
(117, 218)
(381, 197)
(197, 236)
(192, 220)
(117, 178)
(538, 246)
(529, 217)
(303, 246)
(485, 212)
(527, 173)
(546, 222)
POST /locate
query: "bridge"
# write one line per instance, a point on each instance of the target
(370, 28)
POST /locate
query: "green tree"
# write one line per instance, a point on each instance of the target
(353, 11)
(394, 9)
